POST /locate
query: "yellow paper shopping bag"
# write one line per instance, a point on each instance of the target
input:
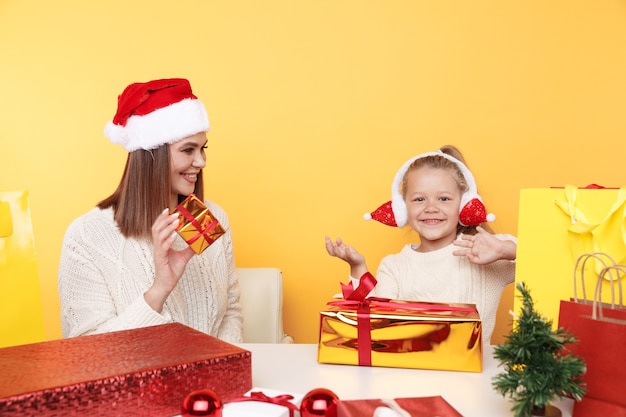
(558, 225)
(21, 315)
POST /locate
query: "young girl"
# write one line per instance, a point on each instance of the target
(458, 259)
(122, 264)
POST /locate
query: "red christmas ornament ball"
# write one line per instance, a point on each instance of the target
(319, 402)
(202, 403)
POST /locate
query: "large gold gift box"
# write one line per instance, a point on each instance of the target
(198, 226)
(401, 334)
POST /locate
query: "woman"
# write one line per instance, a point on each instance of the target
(122, 264)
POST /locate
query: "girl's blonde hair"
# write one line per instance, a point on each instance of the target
(439, 162)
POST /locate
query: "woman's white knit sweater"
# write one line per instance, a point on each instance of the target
(103, 277)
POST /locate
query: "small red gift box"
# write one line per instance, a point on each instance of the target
(198, 226)
(146, 371)
(416, 407)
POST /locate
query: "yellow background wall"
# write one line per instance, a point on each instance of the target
(314, 105)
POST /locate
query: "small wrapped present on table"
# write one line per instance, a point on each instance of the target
(263, 402)
(403, 334)
(146, 371)
(198, 226)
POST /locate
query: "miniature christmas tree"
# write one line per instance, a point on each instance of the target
(537, 365)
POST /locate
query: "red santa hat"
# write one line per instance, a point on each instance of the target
(155, 113)
(394, 213)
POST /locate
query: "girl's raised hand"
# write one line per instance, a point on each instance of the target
(342, 251)
(347, 253)
(484, 248)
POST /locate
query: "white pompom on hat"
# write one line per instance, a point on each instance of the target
(394, 212)
(155, 113)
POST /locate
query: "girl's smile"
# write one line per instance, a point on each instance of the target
(433, 199)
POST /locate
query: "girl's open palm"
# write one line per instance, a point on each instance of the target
(343, 251)
(484, 248)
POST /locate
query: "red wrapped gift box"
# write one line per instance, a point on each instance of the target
(416, 407)
(146, 371)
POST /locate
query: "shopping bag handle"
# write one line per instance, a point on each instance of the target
(580, 224)
(619, 270)
(580, 266)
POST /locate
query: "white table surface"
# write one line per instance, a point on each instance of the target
(293, 368)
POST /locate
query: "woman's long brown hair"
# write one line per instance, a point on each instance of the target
(143, 192)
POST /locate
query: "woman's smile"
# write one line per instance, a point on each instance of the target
(192, 178)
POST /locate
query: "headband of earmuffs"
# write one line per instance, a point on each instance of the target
(394, 212)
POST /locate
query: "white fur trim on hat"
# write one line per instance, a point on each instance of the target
(162, 126)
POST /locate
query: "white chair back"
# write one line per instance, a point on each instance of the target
(262, 305)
